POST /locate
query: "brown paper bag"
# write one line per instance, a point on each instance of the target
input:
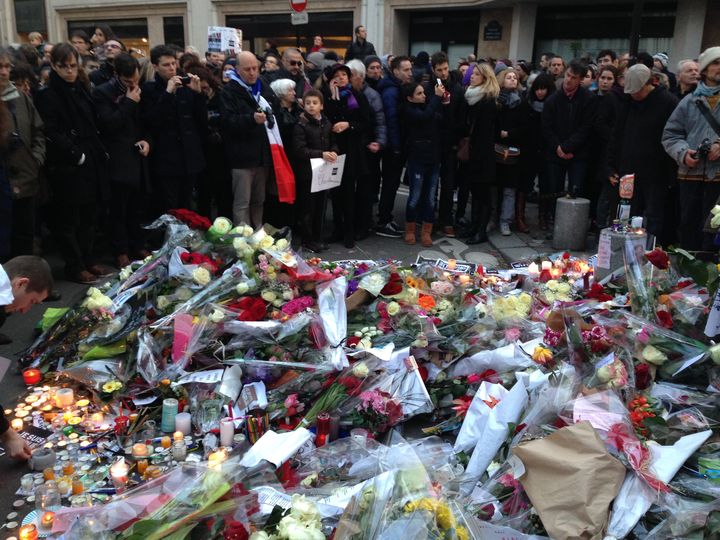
(571, 480)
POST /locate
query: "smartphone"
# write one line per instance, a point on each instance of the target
(185, 80)
(439, 82)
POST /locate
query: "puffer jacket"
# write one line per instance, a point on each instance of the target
(685, 130)
(376, 104)
(26, 151)
(389, 89)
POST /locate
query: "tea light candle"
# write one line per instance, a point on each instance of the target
(182, 423)
(32, 376)
(546, 265)
(32, 398)
(169, 412)
(119, 473)
(227, 431)
(464, 279)
(533, 270)
(22, 413)
(47, 520)
(16, 424)
(97, 418)
(178, 436)
(28, 532)
(83, 403)
(64, 397)
(140, 450)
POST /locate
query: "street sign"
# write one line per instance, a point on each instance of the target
(298, 5)
(297, 18)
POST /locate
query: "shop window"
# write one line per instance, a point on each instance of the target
(132, 32)
(30, 16)
(174, 31)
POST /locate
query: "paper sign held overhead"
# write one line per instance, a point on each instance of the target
(224, 39)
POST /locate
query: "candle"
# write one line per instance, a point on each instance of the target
(182, 423)
(140, 450)
(464, 279)
(227, 431)
(166, 442)
(83, 403)
(533, 270)
(546, 265)
(28, 532)
(77, 486)
(215, 460)
(322, 429)
(178, 436)
(97, 418)
(32, 376)
(119, 473)
(142, 466)
(47, 520)
(179, 450)
(64, 397)
(169, 412)
(32, 398)
(452, 264)
(16, 424)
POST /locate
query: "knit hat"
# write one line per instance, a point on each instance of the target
(707, 57)
(339, 67)
(636, 77)
(370, 59)
(499, 66)
(662, 57)
(316, 59)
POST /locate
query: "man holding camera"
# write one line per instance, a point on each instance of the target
(121, 131)
(692, 139)
(245, 108)
(175, 113)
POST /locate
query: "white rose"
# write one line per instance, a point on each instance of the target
(365, 343)
(247, 231)
(266, 243)
(653, 355)
(92, 291)
(259, 535)
(217, 316)
(125, 273)
(242, 288)
(183, 293)
(201, 276)
(240, 244)
(287, 295)
(277, 302)
(281, 244)
(222, 225)
(360, 370)
(303, 509)
(163, 302)
(393, 308)
(564, 287)
(268, 296)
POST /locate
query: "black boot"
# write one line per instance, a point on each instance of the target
(481, 217)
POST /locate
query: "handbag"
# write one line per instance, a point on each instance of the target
(463, 151)
(507, 155)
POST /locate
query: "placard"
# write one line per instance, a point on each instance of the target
(493, 31)
(326, 175)
(35, 437)
(224, 39)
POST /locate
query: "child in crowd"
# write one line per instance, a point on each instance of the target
(422, 124)
(313, 139)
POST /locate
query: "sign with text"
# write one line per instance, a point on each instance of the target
(325, 174)
(224, 39)
(299, 17)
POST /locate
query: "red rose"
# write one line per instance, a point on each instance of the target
(393, 286)
(185, 258)
(658, 258)
(351, 384)
(642, 376)
(352, 341)
(566, 256)
(664, 318)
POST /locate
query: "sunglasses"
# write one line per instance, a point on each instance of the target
(295, 62)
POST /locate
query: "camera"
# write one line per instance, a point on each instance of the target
(704, 149)
(185, 80)
(270, 117)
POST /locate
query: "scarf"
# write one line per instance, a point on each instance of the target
(537, 105)
(253, 90)
(10, 92)
(509, 98)
(346, 92)
(705, 90)
(474, 94)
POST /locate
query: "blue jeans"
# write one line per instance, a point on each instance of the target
(423, 184)
(556, 171)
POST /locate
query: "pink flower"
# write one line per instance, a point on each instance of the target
(512, 334)
(643, 336)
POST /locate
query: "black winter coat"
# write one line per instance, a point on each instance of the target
(568, 123)
(246, 141)
(636, 144)
(479, 124)
(310, 139)
(286, 120)
(177, 124)
(69, 117)
(353, 141)
(359, 51)
(103, 74)
(121, 127)
(422, 124)
(448, 111)
(516, 121)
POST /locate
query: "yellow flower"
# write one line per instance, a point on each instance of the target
(462, 533)
(542, 355)
(444, 517)
(111, 386)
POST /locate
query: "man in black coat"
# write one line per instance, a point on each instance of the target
(175, 114)
(361, 47)
(567, 122)
(291, 68)
(636, 147)
(106, 71)
(245, 107)
(118, 108)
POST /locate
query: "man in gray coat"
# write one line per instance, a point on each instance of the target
(372, 185)
(690, 139)
(26, 154)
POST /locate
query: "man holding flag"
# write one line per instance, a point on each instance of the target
(252, 141)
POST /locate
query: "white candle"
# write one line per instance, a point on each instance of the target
(64, 397)
(227, 431)
(119, 473)
(546, 265)
(533, 270)
(182, 423)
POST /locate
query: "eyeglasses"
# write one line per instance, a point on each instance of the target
(295, 62)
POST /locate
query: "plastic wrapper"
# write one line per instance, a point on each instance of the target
(512, 357)
(686, 518)
(95, 373)
(331, 301)
(148, 360)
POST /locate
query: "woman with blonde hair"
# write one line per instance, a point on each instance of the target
(479, 109)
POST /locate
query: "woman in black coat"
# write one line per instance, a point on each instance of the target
(512, 125)
(480, 112)
(351, 116)
(76, 163)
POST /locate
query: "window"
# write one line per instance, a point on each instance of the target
(30, 16)
(174, 31)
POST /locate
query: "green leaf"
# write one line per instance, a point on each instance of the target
(272, 522)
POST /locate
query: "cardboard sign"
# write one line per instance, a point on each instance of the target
(326, 175)
(224, 39)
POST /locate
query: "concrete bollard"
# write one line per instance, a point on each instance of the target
(571, 223)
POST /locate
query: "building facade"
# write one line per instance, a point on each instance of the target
(513, 29)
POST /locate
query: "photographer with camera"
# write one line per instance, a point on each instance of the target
(24, 155)
(692, 139)
(245, 108)
(121, 131)
(175, 113)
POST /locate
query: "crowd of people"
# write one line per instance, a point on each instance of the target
(97, 142)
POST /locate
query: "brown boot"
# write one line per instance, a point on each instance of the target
(410, 233)
(426, 235)
(520, 224)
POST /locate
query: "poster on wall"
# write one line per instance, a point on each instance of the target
(224, 39)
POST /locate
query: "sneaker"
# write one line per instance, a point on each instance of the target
(449, 231)
(395, 227)
(388, 231)
(505, 229)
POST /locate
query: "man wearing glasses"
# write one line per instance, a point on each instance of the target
(107, 69)
(292, 68)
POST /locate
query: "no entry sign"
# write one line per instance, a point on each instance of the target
(298, 5)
